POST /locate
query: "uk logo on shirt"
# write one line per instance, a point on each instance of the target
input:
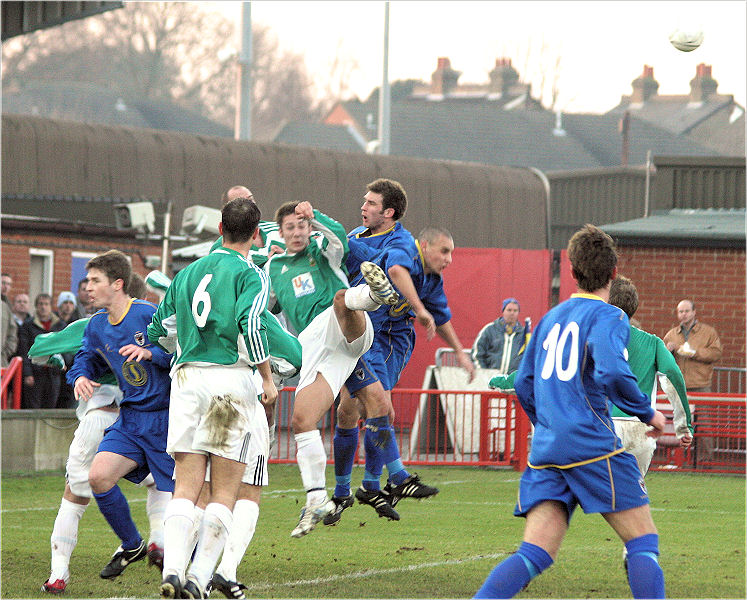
(303, 285)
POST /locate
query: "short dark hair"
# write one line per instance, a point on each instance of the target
(593, 257)
(240, 218)
(289, 208)
(623, 294)
(393, 196)
(114, 265)
(42, 296)
(136, 288)
(82, 282)
(431, 233)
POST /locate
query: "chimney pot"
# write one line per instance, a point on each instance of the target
(644, 86)
(444, 78)
(702, 85)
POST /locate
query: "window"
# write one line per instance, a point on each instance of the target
(41, 267)
(78, 268)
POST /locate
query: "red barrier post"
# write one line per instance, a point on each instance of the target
(12, 373)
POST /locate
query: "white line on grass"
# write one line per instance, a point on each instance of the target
(373, 572)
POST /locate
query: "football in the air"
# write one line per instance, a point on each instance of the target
(686, 40)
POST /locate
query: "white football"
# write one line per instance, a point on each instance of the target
(686, 40)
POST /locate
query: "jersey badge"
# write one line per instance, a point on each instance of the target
(312, 262)
(139, 338)
(303, 285)
(134, 373)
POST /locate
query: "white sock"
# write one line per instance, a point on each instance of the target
(216, 523)
(245, 515)
(177, 528)
(359, 298)
(199, 514)
(65, 537)
(155, 508)
(312, 461)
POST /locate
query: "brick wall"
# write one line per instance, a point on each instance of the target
(714, 279)
(16, 260)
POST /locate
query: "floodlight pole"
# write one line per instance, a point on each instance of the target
(243, 126)
(385, 95)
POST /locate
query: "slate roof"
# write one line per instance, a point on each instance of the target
(89, 103)
(683, 227)
(343, 138)
(674, 113)
(480, 131)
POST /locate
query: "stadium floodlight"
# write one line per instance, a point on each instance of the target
(197, 219)
(135, 215)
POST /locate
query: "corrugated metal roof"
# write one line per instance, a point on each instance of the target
(683, 227)
(24, 17)
(62, 160)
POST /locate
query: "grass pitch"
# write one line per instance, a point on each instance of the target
(443, 547)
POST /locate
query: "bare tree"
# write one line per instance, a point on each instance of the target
(168, 51)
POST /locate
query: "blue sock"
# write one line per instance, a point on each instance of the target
(645, 576)
(375, 440)
(345, 445)
(113, 505)
(393, 461)
(510, 576)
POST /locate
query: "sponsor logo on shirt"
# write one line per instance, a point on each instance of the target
(303, 285)
(134, 373)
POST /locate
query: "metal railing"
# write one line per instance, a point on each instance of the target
(720, 439)
(432, 427)
(726, 380)
(729, 380)
(13, 373)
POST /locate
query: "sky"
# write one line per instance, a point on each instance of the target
(602, 45)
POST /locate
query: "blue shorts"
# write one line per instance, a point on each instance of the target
(141, 436)
(388, 356)
(604, 486)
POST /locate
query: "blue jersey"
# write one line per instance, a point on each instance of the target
(396, 243)
(575, 362)
(146, 384)
(396, 246)
(430, 290)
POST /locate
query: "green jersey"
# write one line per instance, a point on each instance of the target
(304, 284)
(647, 357)
(211, 313)
(269, 232)
(68, 340)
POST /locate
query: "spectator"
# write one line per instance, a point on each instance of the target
(6, 281)
(500, 344)
(21, 309)
(66, 305)
(695, 346)
(41, 383)
(84, 306)
(10, 333)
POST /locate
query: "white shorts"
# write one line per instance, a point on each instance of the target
(632, 432)
(259, 449)
(83, 448)
(325, 350)
(212, 411)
